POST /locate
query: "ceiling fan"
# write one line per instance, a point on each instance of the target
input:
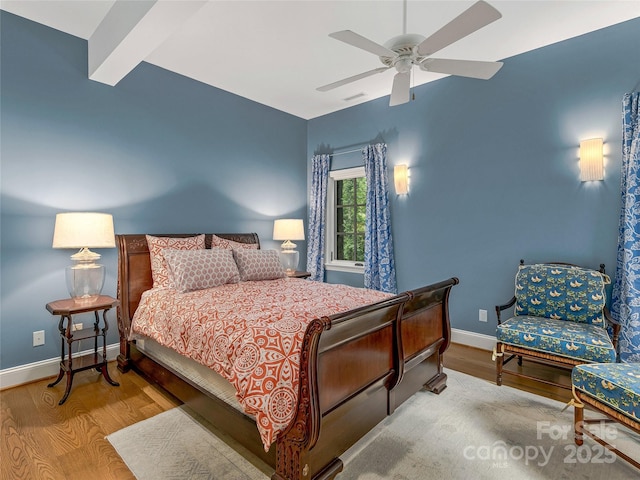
(406, 50)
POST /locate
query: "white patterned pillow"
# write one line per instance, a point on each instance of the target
(258, 264)
(198, 269)
(219, 242)
(159, 270)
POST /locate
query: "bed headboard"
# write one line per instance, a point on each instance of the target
(134, 270)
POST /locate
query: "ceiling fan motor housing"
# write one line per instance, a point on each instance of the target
(405, 46)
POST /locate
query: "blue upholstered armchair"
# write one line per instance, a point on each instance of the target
(559, 318)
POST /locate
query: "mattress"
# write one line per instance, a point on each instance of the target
(189, 370)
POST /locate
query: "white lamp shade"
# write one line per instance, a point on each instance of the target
(591, 162)
(288, 229)
(84, 229)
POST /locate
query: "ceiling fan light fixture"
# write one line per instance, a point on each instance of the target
(403, 64)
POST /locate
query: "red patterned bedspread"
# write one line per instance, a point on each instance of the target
(250, 333)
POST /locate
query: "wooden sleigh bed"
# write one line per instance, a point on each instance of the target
(356, 368)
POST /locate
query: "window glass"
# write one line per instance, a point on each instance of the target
(348, 205)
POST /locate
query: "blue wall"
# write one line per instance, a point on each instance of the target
(493, 166)
(161, 152)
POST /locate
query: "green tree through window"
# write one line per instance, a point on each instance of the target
(351, 198)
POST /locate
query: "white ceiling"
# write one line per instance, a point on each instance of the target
(278, 52)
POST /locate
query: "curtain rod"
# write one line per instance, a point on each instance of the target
(348, 151)
(335, 154)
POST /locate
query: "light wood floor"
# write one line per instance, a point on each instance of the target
(41, 440)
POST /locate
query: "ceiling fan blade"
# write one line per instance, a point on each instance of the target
(356, 40)
(477, 16)
(462, 68)
(344, 81)
(401, 89)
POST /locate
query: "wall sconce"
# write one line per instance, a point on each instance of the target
(401, 179)
(591, 163)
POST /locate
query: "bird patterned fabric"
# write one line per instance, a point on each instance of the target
(561, 293)
(614, 384)
(576, 340)
(559, 310)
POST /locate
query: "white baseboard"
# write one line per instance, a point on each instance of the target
(11, 377)
(471, 339)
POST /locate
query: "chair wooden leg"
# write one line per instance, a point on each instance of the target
(499, 364)
(578, 424)
(519, 360)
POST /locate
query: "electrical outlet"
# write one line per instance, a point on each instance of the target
(482, 315)
(77, 326)
(38, 338)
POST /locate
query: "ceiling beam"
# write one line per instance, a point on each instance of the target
(130, 31)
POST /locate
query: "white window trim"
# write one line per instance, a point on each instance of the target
(338, 265)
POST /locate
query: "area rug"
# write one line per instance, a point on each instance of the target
(472, 430)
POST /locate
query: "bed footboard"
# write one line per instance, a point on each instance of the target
(425, 334)
(356, 369)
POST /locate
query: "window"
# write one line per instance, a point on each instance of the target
(350, 203)
(346, 216)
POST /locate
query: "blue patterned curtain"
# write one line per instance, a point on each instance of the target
(317, 216)
(625, 305)
(379, 268)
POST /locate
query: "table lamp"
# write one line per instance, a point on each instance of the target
(84, 230)
(288, 229)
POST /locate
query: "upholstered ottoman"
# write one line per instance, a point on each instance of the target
(612, 389)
